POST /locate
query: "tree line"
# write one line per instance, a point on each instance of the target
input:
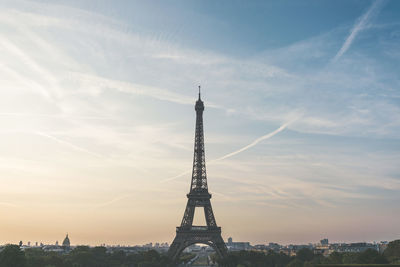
(83, 256)
(306, 258)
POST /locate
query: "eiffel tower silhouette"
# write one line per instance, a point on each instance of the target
(188, 234)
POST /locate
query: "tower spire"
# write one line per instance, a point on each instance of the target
(199, 178)
(199, 91)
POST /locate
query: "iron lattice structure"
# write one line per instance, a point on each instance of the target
(188, 234)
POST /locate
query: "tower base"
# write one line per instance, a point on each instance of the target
(186, 236)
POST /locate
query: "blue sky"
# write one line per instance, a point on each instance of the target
(302, 118)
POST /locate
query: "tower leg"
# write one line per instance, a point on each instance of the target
(189, 213)
(208, 212)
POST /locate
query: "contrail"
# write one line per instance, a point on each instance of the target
(68, 144)
(255, 142)
(359, 26)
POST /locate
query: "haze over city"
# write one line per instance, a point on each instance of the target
(301, 119)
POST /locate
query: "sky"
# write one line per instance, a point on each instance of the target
(302, 119)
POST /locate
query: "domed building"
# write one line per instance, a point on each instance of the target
(66, 243)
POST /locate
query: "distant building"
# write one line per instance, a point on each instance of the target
(324, 241)
(193, 248)
(53, 248)
(149, 245)
(271, 246)
(324, 250)
(237, 245)
(274, 246)
(354, 247)
(382, 246)
(261, 247)
(327, 249)
(66, 243)
(291, 250)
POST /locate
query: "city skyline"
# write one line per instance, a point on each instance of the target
(301, 119)
(230, 240)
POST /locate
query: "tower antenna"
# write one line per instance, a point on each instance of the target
(199, 91)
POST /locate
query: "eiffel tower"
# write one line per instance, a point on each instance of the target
(187, 234)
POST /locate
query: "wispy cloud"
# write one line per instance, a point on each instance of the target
(75, 147)
(95, 83)
(8, 204)
(112, 201)
(72, 85)
(359, 26)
